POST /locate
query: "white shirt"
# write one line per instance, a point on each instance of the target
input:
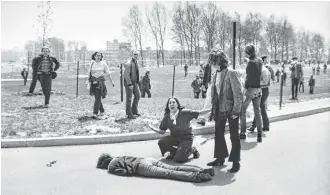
(98, 69)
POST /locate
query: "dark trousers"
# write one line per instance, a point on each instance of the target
(34, 81)
(184, 147)
(196, 95)
(203, 94)
(264, 116)
(294, 87)
(25, 80)
(98, 106)
(301, 85)
(149, 167)
(46, 85)
(132, 108)
(311, 89)
(144, 93)
(220, 146)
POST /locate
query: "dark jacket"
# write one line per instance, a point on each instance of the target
(37, 60)
(128, 72)
(100, 85)
(311, 82)
(146, 83)
(124, 165)
(24, 74)
(253, 73)
(196, 85)
(207, 75)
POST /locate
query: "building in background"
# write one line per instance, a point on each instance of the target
(56, 47)
(117, 52)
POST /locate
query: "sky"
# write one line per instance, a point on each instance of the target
(98, 22)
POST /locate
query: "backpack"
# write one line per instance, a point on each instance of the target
(265, 76)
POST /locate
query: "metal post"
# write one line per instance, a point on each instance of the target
(121, 83)
(234, 43)
(173, 80)
(77, 77)
(281, 91)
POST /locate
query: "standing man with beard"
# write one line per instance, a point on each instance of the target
(131, 82)
(225, 95)
(42, 70)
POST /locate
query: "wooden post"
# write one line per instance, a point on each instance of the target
(234, 43)
(173, 80)
(281, 91)
(77, 78)
(121, 83)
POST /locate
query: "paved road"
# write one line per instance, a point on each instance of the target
(294, 158)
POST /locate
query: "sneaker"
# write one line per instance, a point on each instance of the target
(251, 129)
(242, 136)
(46, 106)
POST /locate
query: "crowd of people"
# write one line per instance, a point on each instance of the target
(227, 98)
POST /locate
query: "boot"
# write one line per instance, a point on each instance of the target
(235, 168)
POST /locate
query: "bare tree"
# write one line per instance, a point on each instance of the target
(177, 29)
(44, 21)
(210, 18)
(133, 27)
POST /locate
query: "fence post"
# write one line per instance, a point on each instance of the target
(77, 78)
(234, 43)
(173, 80)
(281, 91)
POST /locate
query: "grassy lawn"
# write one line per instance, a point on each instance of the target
(21, 117)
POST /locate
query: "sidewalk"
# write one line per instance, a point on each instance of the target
(288, 111)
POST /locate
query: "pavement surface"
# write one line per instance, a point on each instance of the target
(293, 158)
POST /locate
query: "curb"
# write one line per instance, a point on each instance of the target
(131, 137)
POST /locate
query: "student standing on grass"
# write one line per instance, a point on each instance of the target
(177, 120)
(196, 85)
(296, 74)
(25, 74)
(226, 97)
(152, 168)
(146, 86)
(278, 74)
(131, 83)
(311, 84)
(97, 70)
(43, 70)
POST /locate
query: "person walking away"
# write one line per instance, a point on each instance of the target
(225, 97)
(152, 168)
(25, 74)
(296, 73)
(131, 83)
(197, 85)
(278, 74)
(253, 91)
(97, 70)
(265, 84)
(43, 68)
(311, 84)
(146, 86)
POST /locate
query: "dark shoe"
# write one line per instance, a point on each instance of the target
(265, 129)
(251, 129)
(291, 98)
(216, 162)
(235, 168)
(259, 138)
(137, 114)
(209, 171)
(201, 177)
(170, 156)
(131, 117)
(196, 153)
(242, 136)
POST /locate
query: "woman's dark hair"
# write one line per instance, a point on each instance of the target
(167, 110)
(221, 59)
(104, 161)
(94, 54)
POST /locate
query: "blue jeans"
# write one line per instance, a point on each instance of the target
(149, 167)
(255, 98)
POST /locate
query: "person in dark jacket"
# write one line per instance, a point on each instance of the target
(25, 74)
(185, 69)
(177, 120)
(97, 70)
(278, 74)
(152, 168)
(42, 70)
(197, 86)
(131, 83)
(253, 91)
(146, 86)
(311, 84)
(296, 74)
